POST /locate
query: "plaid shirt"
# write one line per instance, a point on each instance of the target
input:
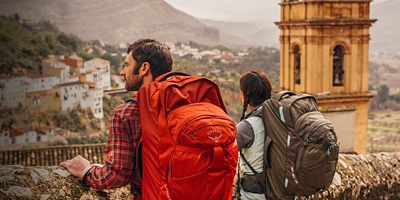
(120, 157)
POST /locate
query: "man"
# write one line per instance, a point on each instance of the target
(146, 60)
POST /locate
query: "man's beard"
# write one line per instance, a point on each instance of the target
(134, 83)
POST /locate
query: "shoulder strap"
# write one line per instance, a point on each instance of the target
(255, 112)
(284, 109)
(131, 100)
(248, 164)
(169, 74)
(278, 96)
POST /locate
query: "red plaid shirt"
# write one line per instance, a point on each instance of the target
(120, 157)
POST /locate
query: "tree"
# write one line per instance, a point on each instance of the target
(383, 93)
(396, 97)
(6, 119)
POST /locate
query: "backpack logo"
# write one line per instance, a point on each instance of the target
(214, 134)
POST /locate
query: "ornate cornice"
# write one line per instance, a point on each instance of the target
(326, 22)
(348, 98)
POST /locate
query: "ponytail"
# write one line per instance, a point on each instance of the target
(245, 104)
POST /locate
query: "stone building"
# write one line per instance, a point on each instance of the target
(324, 52)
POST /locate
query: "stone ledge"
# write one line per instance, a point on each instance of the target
(20, 182)
(368, 176)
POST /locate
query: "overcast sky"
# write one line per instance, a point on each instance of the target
(230, 10)
(234, 10)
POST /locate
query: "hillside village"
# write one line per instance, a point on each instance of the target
(71, 83)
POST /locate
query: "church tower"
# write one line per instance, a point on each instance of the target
(324, 49)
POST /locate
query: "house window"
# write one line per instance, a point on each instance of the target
(338, 68)
(296, 63)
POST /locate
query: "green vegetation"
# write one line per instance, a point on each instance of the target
(384, 101)
(23, 44)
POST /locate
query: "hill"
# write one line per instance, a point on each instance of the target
(246, 33)
(121, 21)
(23, 45)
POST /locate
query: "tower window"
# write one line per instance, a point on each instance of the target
(338, 69)
(296, 63)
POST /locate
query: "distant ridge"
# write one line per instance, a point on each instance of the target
(122, 21)
(116, 21)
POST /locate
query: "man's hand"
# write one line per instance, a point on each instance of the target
(76, 165)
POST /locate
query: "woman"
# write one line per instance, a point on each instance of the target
(255, 88)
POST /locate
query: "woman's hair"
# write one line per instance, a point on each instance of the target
(156, 53)
(256, 88)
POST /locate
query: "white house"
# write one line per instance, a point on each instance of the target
(79, 94)
(13, 90)
(71, 94)
(53, 67)
(5, 138)
(40, 83)
(103, 76)
(25, 138)
(96, 102)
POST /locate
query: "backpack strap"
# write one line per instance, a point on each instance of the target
(257, 175)
(169, 74)
(255, 112)
(139, 149)
(284, 110)
(248, 164)
(131, 100)
(278, 96)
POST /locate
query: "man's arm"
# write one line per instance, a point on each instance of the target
(119, 156)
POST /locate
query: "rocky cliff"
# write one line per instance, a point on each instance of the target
(370, 176)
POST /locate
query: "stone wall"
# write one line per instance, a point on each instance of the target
(51, 156)
(366, 176)
(369, 176)
(45, 183)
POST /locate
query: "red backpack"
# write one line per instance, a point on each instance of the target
(189, 148)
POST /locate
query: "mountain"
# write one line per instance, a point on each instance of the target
(247, 33)
(120, 21)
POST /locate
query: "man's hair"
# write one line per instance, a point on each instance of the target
(154, 52)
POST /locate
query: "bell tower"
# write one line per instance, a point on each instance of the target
(324, 50)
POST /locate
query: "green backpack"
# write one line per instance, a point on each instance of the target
(301, 147)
